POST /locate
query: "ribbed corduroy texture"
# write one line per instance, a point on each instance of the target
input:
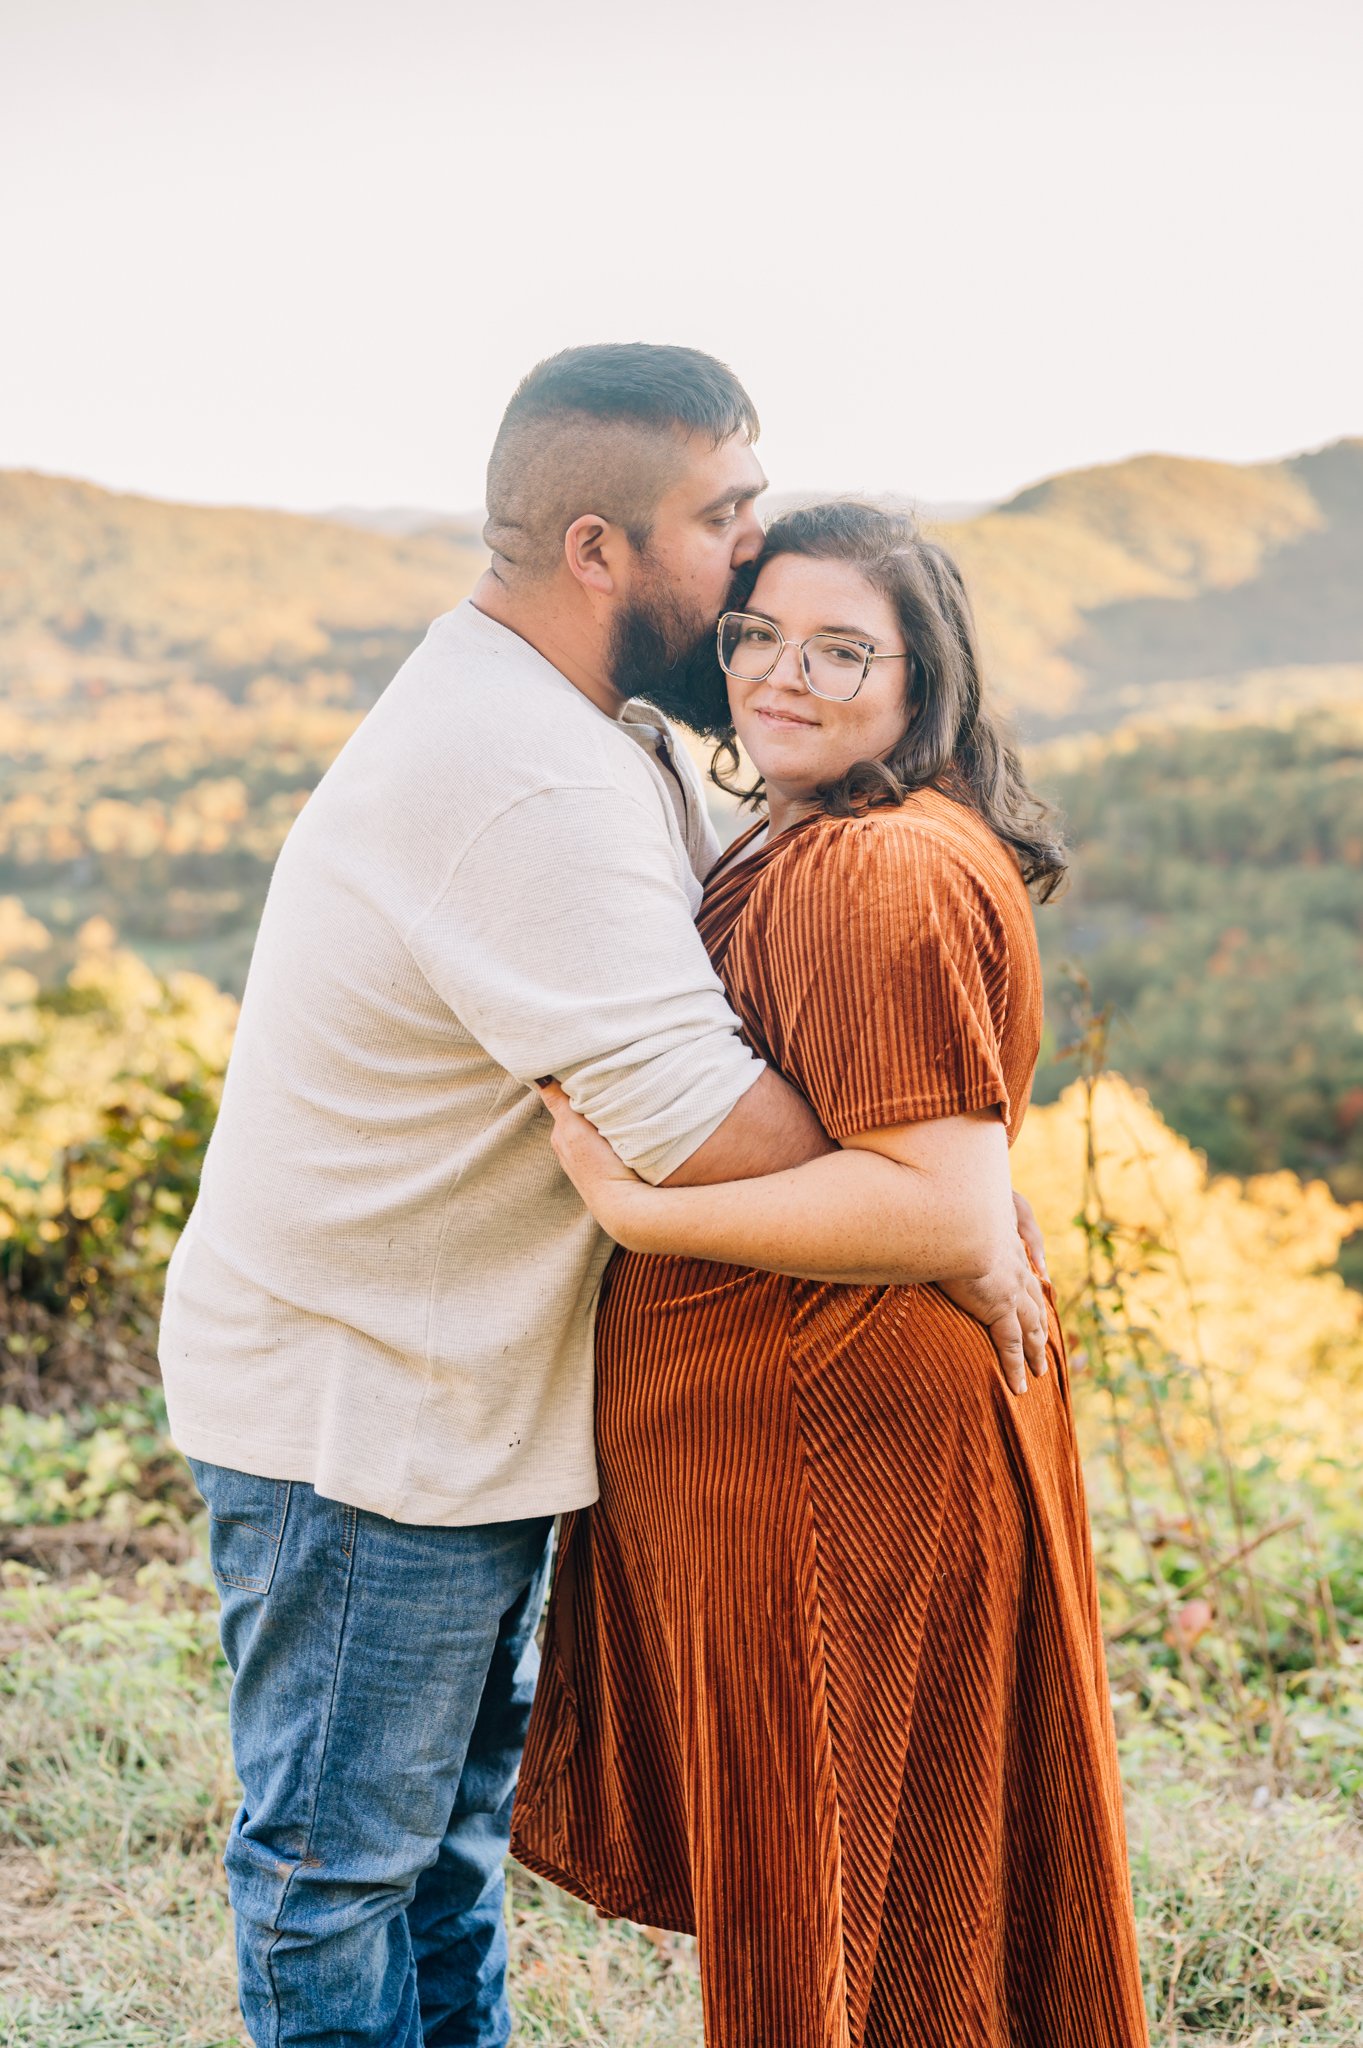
(824, 1679)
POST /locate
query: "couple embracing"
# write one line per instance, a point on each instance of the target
(822, 1673)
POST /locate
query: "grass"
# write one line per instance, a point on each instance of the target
(115, 1791)
(1251, 1916)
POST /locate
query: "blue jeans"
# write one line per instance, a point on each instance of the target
(382, 1683)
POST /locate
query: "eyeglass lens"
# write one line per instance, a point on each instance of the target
(750, 649)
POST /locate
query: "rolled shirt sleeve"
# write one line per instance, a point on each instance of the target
(565, 943)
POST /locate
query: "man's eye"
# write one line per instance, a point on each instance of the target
(724, 519)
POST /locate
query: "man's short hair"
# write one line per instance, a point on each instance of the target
(601, 429)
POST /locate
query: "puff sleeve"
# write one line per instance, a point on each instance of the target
(881, 975)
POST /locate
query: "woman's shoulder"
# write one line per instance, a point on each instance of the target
(928, 845)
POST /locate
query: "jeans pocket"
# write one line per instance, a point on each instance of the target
(246, 1524)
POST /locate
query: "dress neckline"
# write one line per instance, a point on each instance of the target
(730, 858)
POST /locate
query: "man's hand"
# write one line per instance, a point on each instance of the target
(1009, 1301)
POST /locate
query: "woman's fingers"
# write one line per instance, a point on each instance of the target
(1034, 1339)
(1029, 1230)
(585, 1156)
(1019, 1336)
(1007, 1339)
(1031, 1316)
(1036, 1354)
(1011, 1303)
(569, 1130)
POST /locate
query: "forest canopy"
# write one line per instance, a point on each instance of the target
(1217, 905)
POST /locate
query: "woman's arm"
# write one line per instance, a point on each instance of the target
(906, 1206)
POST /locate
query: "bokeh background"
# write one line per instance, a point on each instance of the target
(1079, 283)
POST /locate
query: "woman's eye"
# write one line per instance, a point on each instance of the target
(758, 636)
(839, 651)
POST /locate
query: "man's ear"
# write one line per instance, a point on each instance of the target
(593, 548)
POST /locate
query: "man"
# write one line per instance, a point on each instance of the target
(377, 1334)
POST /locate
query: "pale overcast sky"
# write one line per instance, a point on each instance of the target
(297, 252)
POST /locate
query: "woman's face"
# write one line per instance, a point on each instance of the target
(796, 740)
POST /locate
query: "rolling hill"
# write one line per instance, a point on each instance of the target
(1143, 585)
(1162, 583)
(1216, 905)
(100, 586)
(174, 680)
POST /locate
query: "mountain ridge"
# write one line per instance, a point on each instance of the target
(1097, 589)
(1164, 569)
(90, 577)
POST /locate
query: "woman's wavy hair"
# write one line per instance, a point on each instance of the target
(952, 741)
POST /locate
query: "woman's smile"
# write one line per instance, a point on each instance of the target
(779, 718)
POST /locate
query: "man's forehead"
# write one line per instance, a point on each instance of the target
(715, 475)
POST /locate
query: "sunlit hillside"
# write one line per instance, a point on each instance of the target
(173, 681)
(100, 590)
(1216, 903)
(1150, 584)
(1126, 587)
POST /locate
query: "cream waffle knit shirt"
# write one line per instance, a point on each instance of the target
(386, 1286)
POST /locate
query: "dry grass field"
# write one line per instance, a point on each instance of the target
(116, 1791)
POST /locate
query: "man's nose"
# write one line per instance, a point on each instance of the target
(749, 538)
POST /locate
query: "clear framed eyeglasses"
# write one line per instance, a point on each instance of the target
(832, 665)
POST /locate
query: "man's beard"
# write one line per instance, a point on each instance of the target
(668, 656)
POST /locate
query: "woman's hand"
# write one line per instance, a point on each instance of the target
(600, 1176)
(1009, 1301)
(1029, 1230)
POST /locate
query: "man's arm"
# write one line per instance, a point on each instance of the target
(773, 1127)
(564, 941)
(769, 1128)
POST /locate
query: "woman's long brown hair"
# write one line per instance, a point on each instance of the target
(952, 741)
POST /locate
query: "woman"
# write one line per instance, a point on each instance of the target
(824, 1678)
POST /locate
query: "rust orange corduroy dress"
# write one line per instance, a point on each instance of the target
(824, 1679)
